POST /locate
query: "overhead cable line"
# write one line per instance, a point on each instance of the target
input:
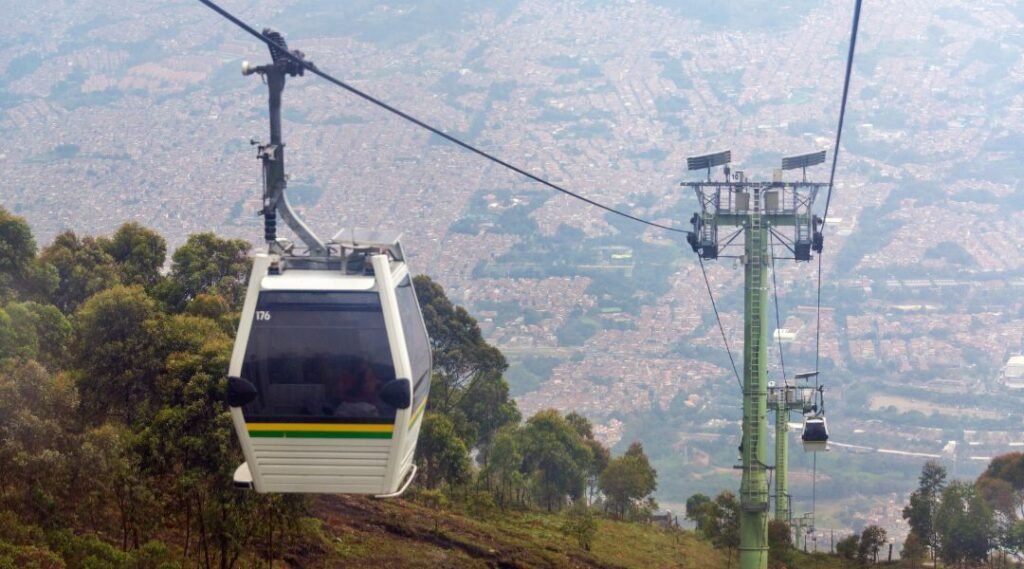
(828, 200)
(842, 108)
(814, 502)
(832, 176)
(817, 324)
(308, 66)
(721, 328)
(778, 318)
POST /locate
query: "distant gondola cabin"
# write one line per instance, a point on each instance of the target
(815, 434)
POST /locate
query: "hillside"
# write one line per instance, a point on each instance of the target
(117, 448)
(364, 532)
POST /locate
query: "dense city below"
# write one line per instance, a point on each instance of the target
(142, 114)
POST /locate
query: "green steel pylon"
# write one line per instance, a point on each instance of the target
(754, 481)
(758, 209)
(783, 399)
(781, 409)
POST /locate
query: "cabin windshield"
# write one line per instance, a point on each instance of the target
(318, 356)
(815, 431)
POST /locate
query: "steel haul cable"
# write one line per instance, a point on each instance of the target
(718, 318)
(835, 160)
(778, 318)
(828, 200)
(842, 105)
(323, 75)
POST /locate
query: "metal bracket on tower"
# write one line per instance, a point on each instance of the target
(272, 155)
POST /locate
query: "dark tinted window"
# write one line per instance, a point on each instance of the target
(415, 340)
(814, 431)
(318, 356)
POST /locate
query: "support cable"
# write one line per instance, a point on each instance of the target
(718, 318)
(814, 498)
(842, 107)
(817, 324)
(778, 318)
(828, 200)
(308, 66)
(832, 175)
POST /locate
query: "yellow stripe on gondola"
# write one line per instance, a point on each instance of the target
(320, 427)
(320, 430)
(417, 413)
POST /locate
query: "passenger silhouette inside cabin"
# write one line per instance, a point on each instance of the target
(354, 392)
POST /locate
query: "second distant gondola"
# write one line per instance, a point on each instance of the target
(815, 434)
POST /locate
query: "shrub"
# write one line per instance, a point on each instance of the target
(433, 498)
(28, 557)
(481, 505)
(581, 524)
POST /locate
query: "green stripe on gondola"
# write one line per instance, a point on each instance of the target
(320, 430)
(321, 434)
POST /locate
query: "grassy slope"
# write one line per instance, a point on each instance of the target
(801, 560)
(377, 533)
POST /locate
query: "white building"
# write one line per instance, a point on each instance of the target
(1013, 373)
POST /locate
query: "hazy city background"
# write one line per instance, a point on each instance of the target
(113, 111)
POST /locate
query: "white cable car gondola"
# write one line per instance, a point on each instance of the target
(330, 371)
(335, 365)
(815, 432)
(815, 435)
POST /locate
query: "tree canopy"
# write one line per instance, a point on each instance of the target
(17, 250)
(872, 538)
(112, 425)
(628, 480)
(139, 253)
(115, 347)
(963, 525)
(83, 269)
(207, 264)
(461, 355)
(116, 449)
(717, 519)
(920, 512)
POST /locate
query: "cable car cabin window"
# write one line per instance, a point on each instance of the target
(815, 431)
(415, 340)
(318, 356)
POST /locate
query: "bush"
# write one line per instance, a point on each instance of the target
(87, 552)
(15, 532)
(848, 546)
(481, 505)
(432, 498)
(780, 544)
(580, 523)
(153, 555)
(28, 557)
